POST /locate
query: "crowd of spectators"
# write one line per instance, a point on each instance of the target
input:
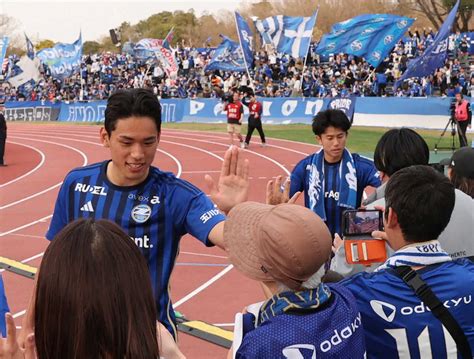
(273, 75)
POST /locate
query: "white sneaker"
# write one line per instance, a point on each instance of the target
(263, 144)
(243, 145)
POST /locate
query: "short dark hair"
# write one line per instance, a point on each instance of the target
(423, 200)
(464, 184)
(131, 102)
(400, 148)
(334, 118)
(93, 296)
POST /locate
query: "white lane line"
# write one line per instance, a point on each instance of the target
(19, 314)
(203, 254)
(223, 325)
(221, 144)
(29, 172)
(178, 163)
(49, 188)
(225, 136)
(197, 172)
(203, 286)
(27, 235)
(25, 225)
(268, 144)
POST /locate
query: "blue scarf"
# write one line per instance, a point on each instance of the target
(347, 183)
(283, 302)
(416, 255)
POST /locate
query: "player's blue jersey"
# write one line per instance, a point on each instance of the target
(3, 308)
(367, 175)
(396, 322)
(332, 331)
(155, 214)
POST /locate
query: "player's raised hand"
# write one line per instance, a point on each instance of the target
(9, 347)
(233, 185)
(276, 194)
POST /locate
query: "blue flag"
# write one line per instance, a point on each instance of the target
(297, 34)
(288, 34)
(435, 55)
(246, 38)
(227, 57)
(30, 49)
(63, 60)
(371, 36)
(3, 48)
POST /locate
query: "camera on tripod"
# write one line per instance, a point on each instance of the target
(454, 127)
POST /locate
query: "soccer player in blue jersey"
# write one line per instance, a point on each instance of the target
(155, 208)
(333, 179)
(397, 322)
(3, 308)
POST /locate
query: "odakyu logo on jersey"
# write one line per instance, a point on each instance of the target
(141, 213)
(340, 335)
(300, 351)
(387, 311)
(86, 188)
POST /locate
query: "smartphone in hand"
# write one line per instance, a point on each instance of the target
(359, 245)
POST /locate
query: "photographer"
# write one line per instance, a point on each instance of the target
(462, 114)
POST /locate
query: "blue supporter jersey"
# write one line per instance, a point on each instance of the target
(367, 175)
(155, 214)
(332, 331)
(3, 309)
(398, 325)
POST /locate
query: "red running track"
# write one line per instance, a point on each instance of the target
(204, 286)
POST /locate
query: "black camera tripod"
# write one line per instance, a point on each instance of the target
(454, 127)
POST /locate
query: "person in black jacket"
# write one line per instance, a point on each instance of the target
(3, 135)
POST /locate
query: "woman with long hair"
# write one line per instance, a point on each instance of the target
(93, 298)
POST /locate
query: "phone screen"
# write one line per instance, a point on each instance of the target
(362, 222)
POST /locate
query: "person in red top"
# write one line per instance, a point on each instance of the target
(463, 115)
(235, 113)
(255, 120)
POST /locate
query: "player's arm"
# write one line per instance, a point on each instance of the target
(241, 114)
(297, 178)
(231, 189)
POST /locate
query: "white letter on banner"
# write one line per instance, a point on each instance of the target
(195, 107)
(289, 107)
(313, 107)
(266, 108)
(71, 110)
(219, 109)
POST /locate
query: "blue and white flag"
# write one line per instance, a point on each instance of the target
(63, 60)
(30, 49)
(435, 55)
(297, 34)
(26, 71)
(3, 48)
(270, 29)
(246, 38)
(227, 57)
(288, 34)
(371, 36)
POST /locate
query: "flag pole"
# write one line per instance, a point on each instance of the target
(307, 50)
(243, 53)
